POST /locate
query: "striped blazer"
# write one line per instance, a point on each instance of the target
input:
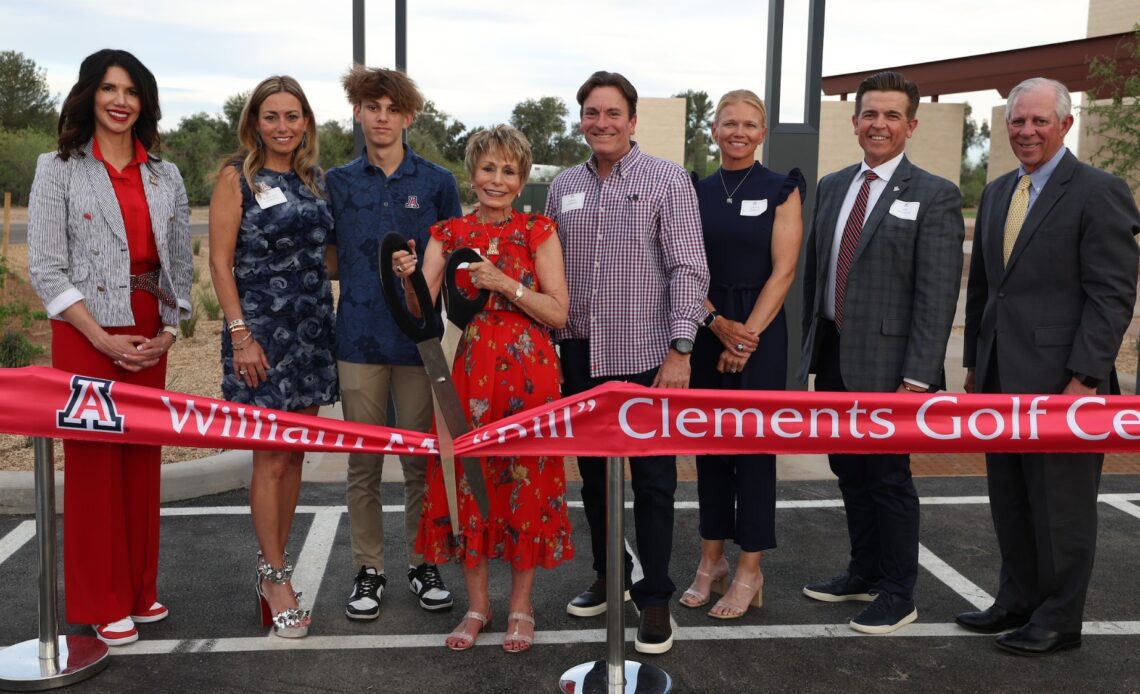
(77, 242)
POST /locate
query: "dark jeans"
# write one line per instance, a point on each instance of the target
(654, 481)
(878, 496)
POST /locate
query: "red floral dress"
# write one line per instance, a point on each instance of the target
(505, 364)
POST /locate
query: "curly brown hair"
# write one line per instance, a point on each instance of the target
(368, 83)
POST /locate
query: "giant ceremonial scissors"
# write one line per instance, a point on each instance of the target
(450, 419)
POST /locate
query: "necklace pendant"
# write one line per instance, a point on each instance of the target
(728, 200)
(493, 246)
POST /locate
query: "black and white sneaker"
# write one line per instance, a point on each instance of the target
(425, 581)
(367, 589)
(886, 614)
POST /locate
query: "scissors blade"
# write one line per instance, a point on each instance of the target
(452, 417)
(447, 461)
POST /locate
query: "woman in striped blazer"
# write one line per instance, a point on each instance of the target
(109, 255)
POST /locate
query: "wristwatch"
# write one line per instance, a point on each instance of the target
(708, 321)
(682, 345)
(1087, 381)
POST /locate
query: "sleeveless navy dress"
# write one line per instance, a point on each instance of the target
(286, 297)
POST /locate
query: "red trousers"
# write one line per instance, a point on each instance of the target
(110, 491)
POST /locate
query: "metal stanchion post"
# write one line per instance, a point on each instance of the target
(615, 674)
(49, 661)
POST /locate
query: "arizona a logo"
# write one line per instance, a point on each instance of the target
(90, 407)
(413, 203)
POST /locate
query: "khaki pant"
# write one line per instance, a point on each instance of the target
(364, 390)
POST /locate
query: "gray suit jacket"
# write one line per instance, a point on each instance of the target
(903, 283)
(77, 243)
(1062, 303)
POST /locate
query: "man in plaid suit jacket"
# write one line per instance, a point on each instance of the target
(881, 277)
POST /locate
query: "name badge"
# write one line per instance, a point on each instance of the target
(269, 198)
(904, 210)
(572, 202)
(753, 208)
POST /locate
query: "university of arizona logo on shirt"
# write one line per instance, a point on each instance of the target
(90, 407)
(412, 203)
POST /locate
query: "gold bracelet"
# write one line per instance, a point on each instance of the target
(238, 345)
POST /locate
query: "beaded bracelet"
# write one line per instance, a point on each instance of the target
(236, 324)
(238, 345)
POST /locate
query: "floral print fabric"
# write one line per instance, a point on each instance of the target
(505, 364)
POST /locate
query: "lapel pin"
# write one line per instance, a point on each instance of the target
(895, 190)
(154, 180)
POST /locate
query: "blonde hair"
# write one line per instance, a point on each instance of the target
(505, 140)
(742, 96)
(251, 156)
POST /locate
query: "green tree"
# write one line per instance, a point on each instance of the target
(25, 100)
(698, 119)
(437, 136)
(198, 147)
(18, 152)
(336, 144)
(1112, 111)
(233, 107)
(543, 121)
(973, 174)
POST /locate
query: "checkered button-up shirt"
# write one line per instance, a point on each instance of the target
(635, 260)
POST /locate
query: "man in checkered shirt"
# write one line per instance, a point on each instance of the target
(635, 265)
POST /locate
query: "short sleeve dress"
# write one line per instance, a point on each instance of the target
(286, 297)
(505, 364)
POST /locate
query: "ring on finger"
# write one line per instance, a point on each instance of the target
(242, 372)
(739, 346)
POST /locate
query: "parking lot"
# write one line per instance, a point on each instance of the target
(212, 642)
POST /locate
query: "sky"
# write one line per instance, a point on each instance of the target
(477, 60)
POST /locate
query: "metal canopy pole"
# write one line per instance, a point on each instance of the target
(795, 145)
(615, 674)
(357, 59)
(49, 661)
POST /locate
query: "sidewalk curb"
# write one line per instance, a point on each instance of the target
(188, 480)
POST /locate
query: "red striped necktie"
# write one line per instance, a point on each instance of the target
(851, 232)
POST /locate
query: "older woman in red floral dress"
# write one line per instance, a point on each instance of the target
(505, 364)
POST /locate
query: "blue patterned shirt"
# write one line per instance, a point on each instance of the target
(366, 206)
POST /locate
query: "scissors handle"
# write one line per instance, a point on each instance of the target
(460, 308)
(425, 328)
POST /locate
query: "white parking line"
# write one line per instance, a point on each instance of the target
(314, 557)
(1117, 502)
(16, 538)
(679, 505)
(957, 582)
(571, 636)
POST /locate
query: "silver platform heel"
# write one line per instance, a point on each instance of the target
(291, 623)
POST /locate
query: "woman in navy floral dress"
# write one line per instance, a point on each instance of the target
(268, 223)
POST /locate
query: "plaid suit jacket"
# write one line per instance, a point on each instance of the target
(903, 284)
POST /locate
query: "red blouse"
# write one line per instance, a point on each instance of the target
(131, 196)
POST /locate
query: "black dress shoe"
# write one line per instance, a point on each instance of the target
(1034, 640)
(991, 621)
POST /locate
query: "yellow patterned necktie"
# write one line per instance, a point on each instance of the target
(1018, 207)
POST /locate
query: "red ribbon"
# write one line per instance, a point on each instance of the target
(615, 419)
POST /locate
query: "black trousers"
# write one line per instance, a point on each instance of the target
(878, 496)
(654, 481)
(1044, 507)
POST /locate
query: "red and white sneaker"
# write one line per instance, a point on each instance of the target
(155, 613)
(118, 633)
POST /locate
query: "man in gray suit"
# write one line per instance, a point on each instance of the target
(884, 260)
(1051, 290)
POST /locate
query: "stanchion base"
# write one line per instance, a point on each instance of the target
(80, 657)
(590, 678)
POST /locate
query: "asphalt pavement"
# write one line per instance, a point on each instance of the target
(213, 642)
